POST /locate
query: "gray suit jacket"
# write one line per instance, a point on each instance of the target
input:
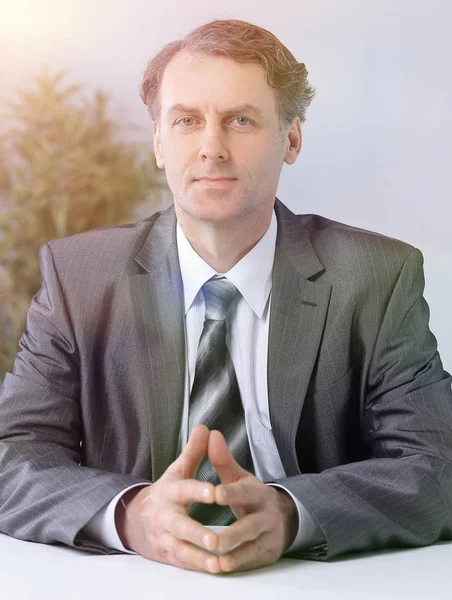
(360, 406)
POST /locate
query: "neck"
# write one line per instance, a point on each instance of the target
(223, 245)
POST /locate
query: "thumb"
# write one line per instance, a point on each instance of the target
(222, 460)
(187, 463)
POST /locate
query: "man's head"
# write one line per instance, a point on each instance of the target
(226, 102)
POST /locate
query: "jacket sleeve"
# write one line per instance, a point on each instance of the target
(46, 495)
(402, 494)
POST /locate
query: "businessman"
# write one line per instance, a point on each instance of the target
(227, 362)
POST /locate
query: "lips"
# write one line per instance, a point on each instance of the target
(214, 179)
(215, 182)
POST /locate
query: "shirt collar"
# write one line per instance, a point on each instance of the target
(252, 275)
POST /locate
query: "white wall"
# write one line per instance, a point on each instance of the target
(378, 136)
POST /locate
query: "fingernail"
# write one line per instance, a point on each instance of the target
(210, 564)
(206, 493)
(208, 542)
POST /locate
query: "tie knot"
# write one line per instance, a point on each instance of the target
(218, 294)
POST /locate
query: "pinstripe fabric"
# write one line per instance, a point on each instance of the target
(360, 406)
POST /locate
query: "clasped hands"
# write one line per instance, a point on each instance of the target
(154, 520)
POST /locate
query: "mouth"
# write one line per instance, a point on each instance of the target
(215, 182)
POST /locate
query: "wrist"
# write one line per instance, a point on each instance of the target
(122, 516)
(289, 514)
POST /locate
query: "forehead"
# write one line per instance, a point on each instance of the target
(206, 81)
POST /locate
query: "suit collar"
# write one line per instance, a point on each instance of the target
(292, 240)
(159, 241)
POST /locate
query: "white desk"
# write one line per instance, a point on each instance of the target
(31, 571)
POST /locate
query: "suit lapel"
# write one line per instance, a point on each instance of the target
(297, 319)
(157, 303)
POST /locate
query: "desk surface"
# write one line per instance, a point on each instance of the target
(30, 571)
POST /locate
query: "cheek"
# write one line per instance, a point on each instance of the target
(174, 152)
(265, 166)
(261, 153)
(176, 165)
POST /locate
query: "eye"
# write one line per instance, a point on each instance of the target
(185, 122)
(242, 121)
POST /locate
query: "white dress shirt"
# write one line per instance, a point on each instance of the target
(247, 341)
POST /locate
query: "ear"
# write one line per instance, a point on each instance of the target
(293, 141)
(157, 146)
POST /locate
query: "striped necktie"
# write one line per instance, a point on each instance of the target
(215, 397)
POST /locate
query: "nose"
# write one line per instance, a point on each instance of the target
(213, 144)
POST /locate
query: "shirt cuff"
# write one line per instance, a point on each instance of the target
(102, 528)
(309, 533)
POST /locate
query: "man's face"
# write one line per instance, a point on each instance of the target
(219, 138)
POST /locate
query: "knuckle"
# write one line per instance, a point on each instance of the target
(221, 492)
(252, 529)
(174, 550)
(163, 548)
(164, 555)
(260, 547)
(178, 493)
(183, 529)
(241, 489)
(269, 557)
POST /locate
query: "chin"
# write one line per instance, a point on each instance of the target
(214, 209)
(215, 216)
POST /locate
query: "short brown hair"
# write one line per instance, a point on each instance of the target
(244, 43)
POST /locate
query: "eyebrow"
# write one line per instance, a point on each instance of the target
(240, 109)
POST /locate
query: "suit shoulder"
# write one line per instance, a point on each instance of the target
(107, 245)
(354, 257)
(351, 242)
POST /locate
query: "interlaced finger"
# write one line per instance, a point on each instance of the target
(246, 491)
(183, 527)
(188, 556)
(244, 530)
(186, 491)
(258, 552)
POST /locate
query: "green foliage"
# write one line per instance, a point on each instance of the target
(64, 168)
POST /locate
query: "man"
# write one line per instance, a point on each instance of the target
(227, 353)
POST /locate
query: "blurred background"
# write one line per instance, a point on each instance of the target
(76, 140)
